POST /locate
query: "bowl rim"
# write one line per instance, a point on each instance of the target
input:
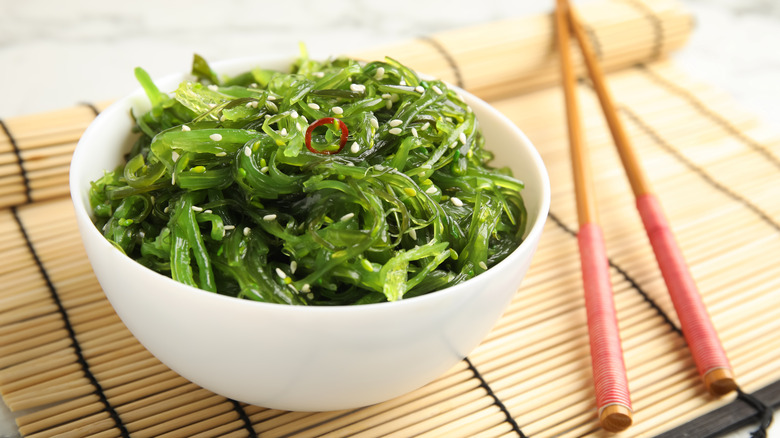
(532, 234)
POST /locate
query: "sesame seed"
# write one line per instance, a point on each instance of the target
(294, 114)
(222, 118)
(386, 96)
(272, 106)
(283, 132)
(355, 148)
(462, 138)
(213, 87)
(247, 230)
(379, 167)
(255, 104)
(419, 89)
(347, 216)
(456, 202)
(166, 210)
(249, 104)
(454, 145)
(215, 137)
(293, 266)
(395, 131)
(414, 132)
(212, 105)
(395, 122)
(426, 166)
(185, 128)
(281, 273)
(412, 233)
(196, 208)
(436, 89)
(253, 85)
(271, 97)
(350, 164)
(220, 154)
(264, 169)
(425, 126)
(269, 217)
(248, 151)
(431, 190)
(380, 73)
(358, 88)
(483, 265)
(374, 123)
(314, 106)
(305, 288)
(229, 227)
(267, 116)
(337, 110)
(319, 74)
(402, 81)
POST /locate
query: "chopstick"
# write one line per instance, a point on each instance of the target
(609, 371)
(702, 339)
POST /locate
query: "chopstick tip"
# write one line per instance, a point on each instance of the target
(616, 418)
(720, 381)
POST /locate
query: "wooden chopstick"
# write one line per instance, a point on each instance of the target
(609, 371)
(706, 349)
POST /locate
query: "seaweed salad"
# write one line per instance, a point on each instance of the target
(339, 182)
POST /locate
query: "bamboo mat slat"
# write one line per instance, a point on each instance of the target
(69, 363)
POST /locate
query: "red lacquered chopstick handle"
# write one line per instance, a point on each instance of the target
(609, 370)
(702, 339)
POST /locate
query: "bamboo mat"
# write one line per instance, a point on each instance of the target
(71, 368)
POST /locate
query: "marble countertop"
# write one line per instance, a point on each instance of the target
(52, 55)
(51, 52)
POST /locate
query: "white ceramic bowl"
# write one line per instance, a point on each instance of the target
(302, 358)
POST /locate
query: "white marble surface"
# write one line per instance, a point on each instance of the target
(57, 54)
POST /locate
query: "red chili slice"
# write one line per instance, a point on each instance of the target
(324, 121)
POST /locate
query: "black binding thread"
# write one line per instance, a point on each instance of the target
(91, 106)
(71, 332)
(763, 412)
(712, 115)
(496, 401)
(692, 166)
(244, 418)
(655, 22)
(19, 161)
(595, 42)
(448, 57)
